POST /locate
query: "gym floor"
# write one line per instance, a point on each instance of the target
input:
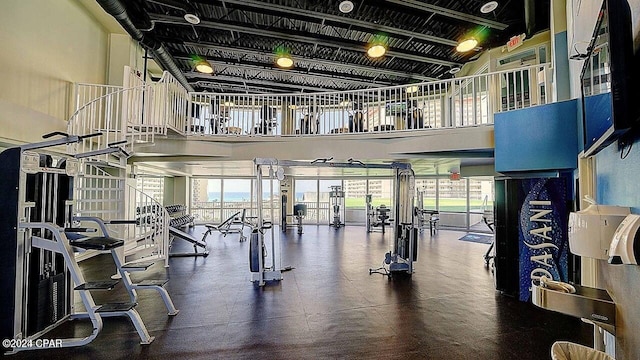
(328, 307)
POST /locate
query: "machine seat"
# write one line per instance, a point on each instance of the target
(98, 243)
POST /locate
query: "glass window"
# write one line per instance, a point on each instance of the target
(426, 188)
(270, 199)
(382, 192)
(481, 196)
(206, 200)
(453, 195)
(152, 187)
(324, 204)
(306, 192)
(354, 193)
(236, 196)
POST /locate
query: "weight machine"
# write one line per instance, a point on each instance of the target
(266, 266)
(40, 236)
(336, 201)
(425, 216)
(299, 213)
(377, 218)
(399, 260)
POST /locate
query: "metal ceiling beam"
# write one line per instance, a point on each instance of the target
(309, 38)
(293, 72)
(241, 89)
(247, 51)
(420, 5)
(225, 78)
(341, 20)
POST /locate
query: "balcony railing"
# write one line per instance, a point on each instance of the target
(452, 103)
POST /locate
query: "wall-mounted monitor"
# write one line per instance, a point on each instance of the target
(607, 79)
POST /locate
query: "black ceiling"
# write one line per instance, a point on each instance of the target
(239, 38)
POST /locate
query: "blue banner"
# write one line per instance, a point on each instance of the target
(543, 242)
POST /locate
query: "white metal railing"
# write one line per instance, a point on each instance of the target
(451, 103)
(137, 112)
(103, 195)
(149, 237)
(98, 109)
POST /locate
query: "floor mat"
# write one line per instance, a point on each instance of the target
(478, 238)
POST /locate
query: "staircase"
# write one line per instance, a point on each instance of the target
(127, 118)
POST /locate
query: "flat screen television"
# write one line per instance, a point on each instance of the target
(607, 79)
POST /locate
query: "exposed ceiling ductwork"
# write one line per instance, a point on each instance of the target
(244, 37)
(160, 54)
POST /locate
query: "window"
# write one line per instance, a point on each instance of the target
(453, 195)
(152, 187)
(427, 188)
(324, 204)
(206, 200)
(306, 192)
(354, 193)
(382, 192)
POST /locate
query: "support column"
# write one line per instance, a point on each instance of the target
(559, 51)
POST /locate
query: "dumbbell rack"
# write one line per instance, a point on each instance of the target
(179, 217)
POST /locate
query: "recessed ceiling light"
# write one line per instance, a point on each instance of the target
(454, 70)
(466, 45)
(284, 61)
(376, 51)
(192, 18)
(489, 7)
(346, 6)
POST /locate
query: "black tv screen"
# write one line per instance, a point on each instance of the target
(607, 77)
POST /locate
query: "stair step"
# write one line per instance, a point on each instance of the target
(116, 307)
(152, 283)
(140, 266)
(98, 285)
(98, 243)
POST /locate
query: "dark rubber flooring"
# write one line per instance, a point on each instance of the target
(328, 307)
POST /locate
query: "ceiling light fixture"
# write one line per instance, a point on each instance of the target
(346, 6)
(466, 45)
(454, 70)
(489, 7)
(192, 18)
(284, 61)
(376, 50)
(412, 89)
(203, 66)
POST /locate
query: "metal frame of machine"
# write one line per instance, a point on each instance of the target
(266, 265)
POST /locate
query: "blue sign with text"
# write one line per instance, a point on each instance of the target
(543, 241)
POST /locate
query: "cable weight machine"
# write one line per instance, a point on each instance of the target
(336, 201)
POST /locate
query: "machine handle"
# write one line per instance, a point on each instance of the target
(51, 134)
(89, 135)
(80, 229)
(267, 225)
(118, 222)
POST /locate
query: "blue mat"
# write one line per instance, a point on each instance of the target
(478, 238)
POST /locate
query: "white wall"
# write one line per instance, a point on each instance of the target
(47, 47)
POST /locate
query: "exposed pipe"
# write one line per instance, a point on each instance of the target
(530, 17)
(160, 54)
